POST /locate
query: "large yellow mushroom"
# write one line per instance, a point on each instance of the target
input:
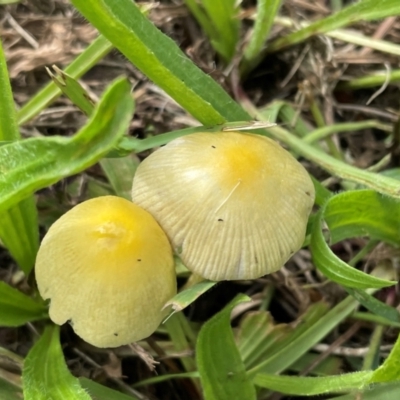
(234, 205)
(107, 267)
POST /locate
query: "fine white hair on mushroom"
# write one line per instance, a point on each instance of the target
(234, 205)
(107, 267)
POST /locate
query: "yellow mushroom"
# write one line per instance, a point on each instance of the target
(234, 205)
(107, 267)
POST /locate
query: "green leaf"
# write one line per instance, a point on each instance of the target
(378, 182)
(322, 194)
(119, 171)
(157, 56)
(362, 10)
(362, 213)
(224, 18)
(45, 375)
(20, 234)
(19, 225)
(222, 372)
(202, 18)
(390, 391)
(331, 365)
(374, 318)
(72, 89)
(377, 307)
(129, 144)
(8, 123)
(166, 377)
(303, 339)
(99, 48)
(311, 386)
(266, 12)
(258, 337)
(17, 309)
(188, 296)
(101, 392)
(390, 369)
(35, 163)
(349, 214)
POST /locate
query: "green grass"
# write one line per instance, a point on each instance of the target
(254, 356)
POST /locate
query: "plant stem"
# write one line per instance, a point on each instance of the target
(380, 183)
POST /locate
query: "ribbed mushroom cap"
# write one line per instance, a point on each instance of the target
(234, 205)
(107, 267)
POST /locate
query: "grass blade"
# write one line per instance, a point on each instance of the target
(188, 296)
(286, 356)
(45, 374)
(223, 16)
(19, 226)
(390, 391)
(119, 171)
(390, 370)
(363, 10)
(101, 392)
(266, 12)
(380, 183)
(351, 214)
(38, 162)
(222, 372)
(157, 56)
(379, 308)
(311, 386)
(17, 309)
(90, 56)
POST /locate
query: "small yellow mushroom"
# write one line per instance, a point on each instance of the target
(107, 267)
(234, 205)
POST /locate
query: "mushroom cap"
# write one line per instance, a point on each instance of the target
(107, 267)
(234, 205)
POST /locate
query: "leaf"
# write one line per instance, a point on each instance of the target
(19, 226)
(374, 305)
(304, 338)
(72, 89)
(258, 337)
(390, 391)
(349, 214)
(378, 182)
(310, 386)
(20, 234)
(98, 49)
(362, 10)
(224, 18)
(331, 365)
(101, 392)
(119, 171)
(17, 309)
(266, 12)
(166, 377)
(129, 144)
(35, 163)
(45, 375)
(161, 60)
(390, 369)
(222, 372)
(183, 299)
(363, 213)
